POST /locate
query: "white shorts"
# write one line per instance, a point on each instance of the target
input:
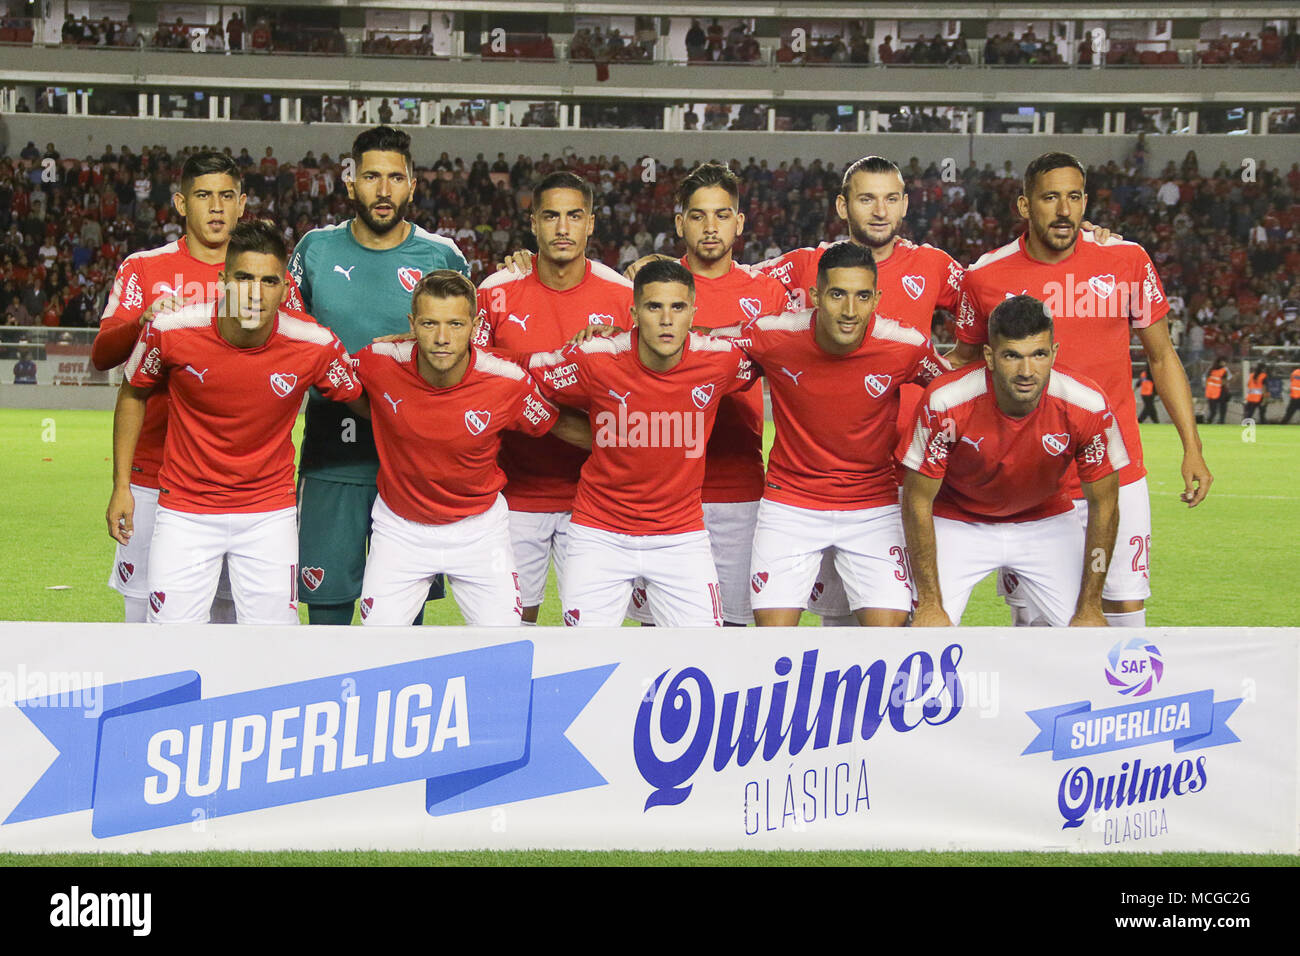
(260, 550)
(538, 538)
(473, 552)
(1045, 557)
(681, 582)
(130, 573)
(868, 550)
(827, 598)
(731, 527)
(1128, 578)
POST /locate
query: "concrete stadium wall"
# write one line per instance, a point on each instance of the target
(57, 397)
(79, 136)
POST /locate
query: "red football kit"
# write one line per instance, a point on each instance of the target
(996, 468)
(518, 316)
(1097, 295)
(650, 429)
(438, 446)
(733, 470)
(835, 414)
(142, 279)
(228, 450)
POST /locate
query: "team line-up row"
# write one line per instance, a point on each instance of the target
(475, 470)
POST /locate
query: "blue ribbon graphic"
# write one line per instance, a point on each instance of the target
(1076, 730)
(475, 725)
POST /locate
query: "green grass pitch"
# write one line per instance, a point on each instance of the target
(1230, 561)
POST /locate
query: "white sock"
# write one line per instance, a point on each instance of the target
(1127, 618)
(137, 609)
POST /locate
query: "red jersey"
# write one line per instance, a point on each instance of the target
(519, 315)
(650, 429)
(142, 279)
(228, 449)
(913, 281)
(835, 414)
(438, 446)
(733, 469)
(997, 468)
(1097, 295)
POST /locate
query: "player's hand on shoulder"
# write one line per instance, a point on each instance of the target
(931, 615)
(121, 515)
(631, 271)
(595, 332)
(1100, 234)
(168, 303)
(520, 261)
(399, 337)
(1089, 617)
(1196, 479)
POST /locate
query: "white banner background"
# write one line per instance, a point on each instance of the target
(962, 785)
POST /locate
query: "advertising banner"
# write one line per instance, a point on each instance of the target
(70, 364)
(131, 737)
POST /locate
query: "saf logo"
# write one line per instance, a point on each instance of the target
(1096, 450)
(133, 295)
(701, 395)
(282, 383)
(152, 363)
(476, 421)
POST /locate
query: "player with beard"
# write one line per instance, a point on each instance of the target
(356, 279)
(1099, 294)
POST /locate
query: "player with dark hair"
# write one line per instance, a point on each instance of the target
(236, 369)
(983, 488)
(211, 201)
(439, 408)
(652, 395)
(834, 373)
(539, 311)
(356, 279)
(1098, 294)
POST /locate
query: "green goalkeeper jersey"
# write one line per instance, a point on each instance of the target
(359, 294)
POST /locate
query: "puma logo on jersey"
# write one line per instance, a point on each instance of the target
(346, 273)
(794, 376)
(476, 421)
(1012, 295)
(622, 399)
(973, 443)
(196, 373)
(1055, 444)
(522, 323)
(164, 289)
(393, 402)
(914, 286)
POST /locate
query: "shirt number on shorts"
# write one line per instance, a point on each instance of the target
(904, 571)
(1143, 546)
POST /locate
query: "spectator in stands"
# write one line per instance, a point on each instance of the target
(24, 369)
(696, 42)
(885, 51)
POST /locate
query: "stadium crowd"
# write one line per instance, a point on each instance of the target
(1228, 251)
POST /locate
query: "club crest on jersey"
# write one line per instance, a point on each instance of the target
(366, 605)
(751, 307)
(758, 581)
(1103, 285)
(476, 421)
(571, 618)
(1056, 444)
(914, 286)
(156, 600)
(816, 591)
(282, 383)
(600, 318)
(701, 395)
(124, 571)
(312, 578)
(877, 385)
(408, 276)
(638, 597)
